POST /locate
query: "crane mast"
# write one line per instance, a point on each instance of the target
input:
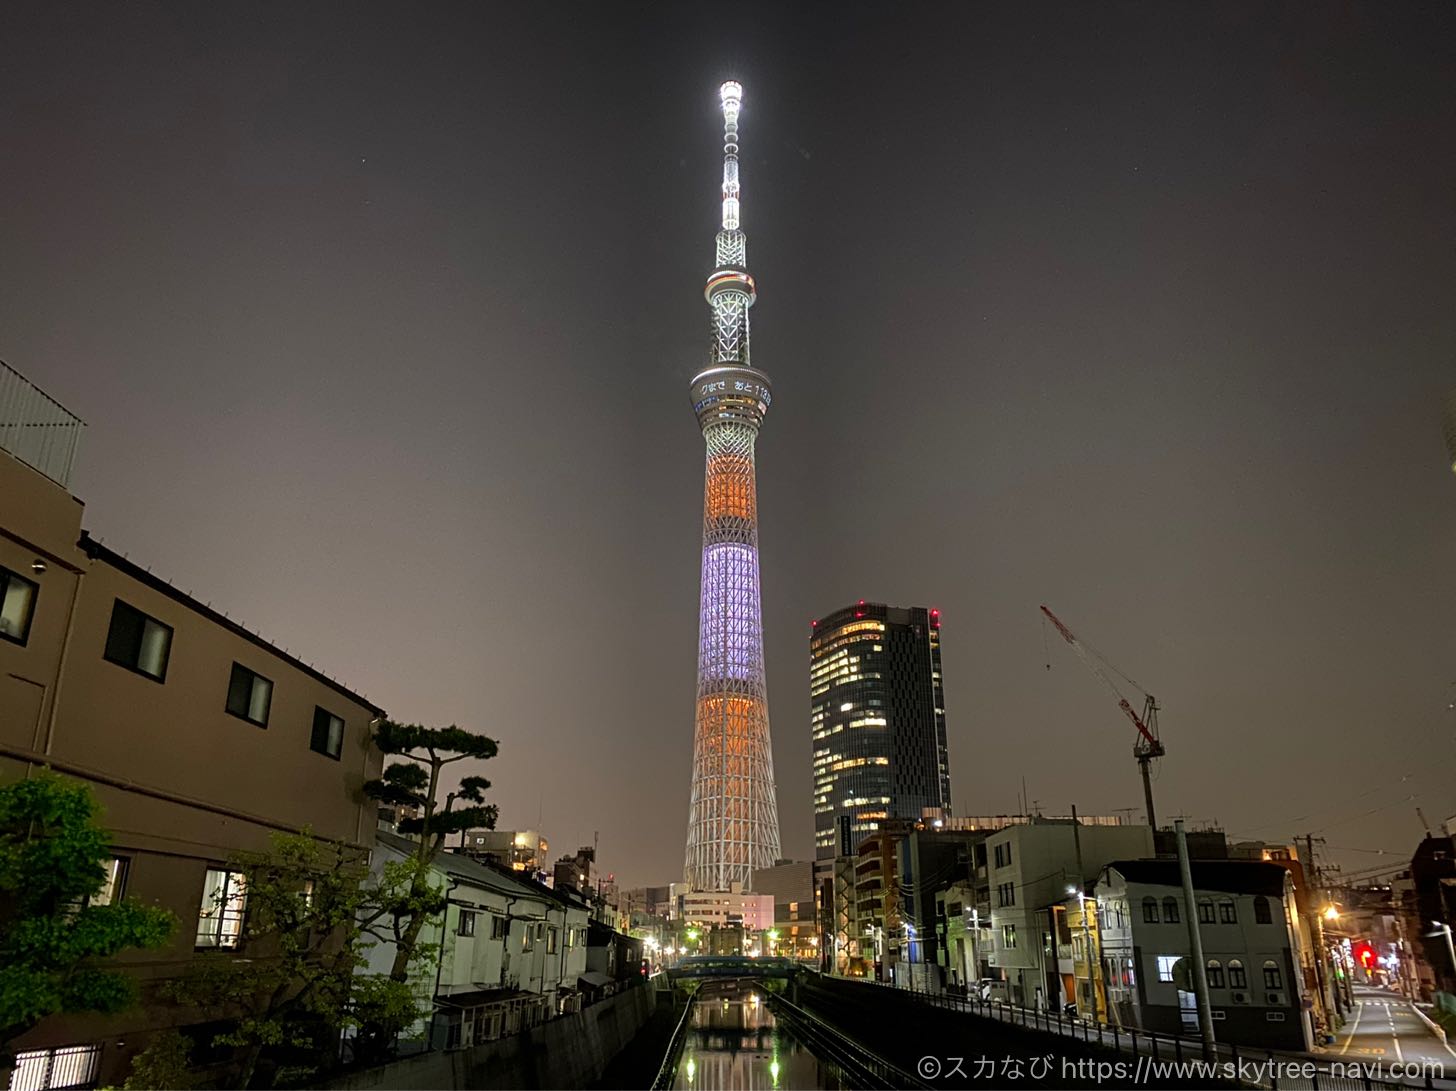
(1148, 746)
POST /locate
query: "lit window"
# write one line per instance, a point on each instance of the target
(55, 1069)
(466, 926)
(1272, 978)
(1008, 936)
(138, 642)
(328, 733)
(17, 606)
(1237, 978)
(1165, 966)
(249, 695)
(114, 885)
(224, 900)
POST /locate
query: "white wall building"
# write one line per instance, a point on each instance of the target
(1245, 915)
(1030, 868)
(718, 907)
(511, 952)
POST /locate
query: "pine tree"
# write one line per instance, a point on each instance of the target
(416, 783)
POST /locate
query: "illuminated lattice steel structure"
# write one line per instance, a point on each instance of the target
(733, 826)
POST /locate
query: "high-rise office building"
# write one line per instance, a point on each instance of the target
(733, 825)
(877, 713)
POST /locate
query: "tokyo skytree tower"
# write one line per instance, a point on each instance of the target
(733, 824)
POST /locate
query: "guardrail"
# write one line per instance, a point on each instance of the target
(668, 1070)
(36, 428)
(1275, 1070)
(862, 1066)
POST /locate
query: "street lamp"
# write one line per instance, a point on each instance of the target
(1450, 946)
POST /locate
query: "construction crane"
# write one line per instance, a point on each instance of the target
(1148, 745)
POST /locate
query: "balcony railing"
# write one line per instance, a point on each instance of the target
(37, 429)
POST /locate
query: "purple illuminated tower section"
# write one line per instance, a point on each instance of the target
(733, 825)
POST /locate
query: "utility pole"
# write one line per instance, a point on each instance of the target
(1195, 942)
(1329, 993)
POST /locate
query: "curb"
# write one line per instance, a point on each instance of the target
(1436, 1029)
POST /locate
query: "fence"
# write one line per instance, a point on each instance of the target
(1252, 1067)
(36, 429)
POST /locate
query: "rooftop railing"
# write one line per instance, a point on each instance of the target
(37, 429)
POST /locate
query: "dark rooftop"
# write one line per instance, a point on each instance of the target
(1228, 876)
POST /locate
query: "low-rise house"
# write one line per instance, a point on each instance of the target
(512, 953)
(199, 739)
(1245, 916)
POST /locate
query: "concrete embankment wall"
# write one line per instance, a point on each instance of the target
(570, 1051)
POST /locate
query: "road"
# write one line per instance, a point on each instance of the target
(1386, 1029)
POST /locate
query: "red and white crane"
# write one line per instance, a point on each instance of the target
(1148, 745)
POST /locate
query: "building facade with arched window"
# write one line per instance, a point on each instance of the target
(1244, 914)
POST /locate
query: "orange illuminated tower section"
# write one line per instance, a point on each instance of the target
(733, 824)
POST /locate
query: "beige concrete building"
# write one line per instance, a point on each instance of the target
(197, 737)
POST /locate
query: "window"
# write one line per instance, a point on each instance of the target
(1205, 910)
(1272, 978)
(466, 927)
(1150, 910)
(1237, 978)
(551, 941)
(497, 927)
(528, 939)
(1165, 966)
(1227, 914)
(224, 898)
(1215, 974)
(112, 888)
(138, 642)
(1008, 937)
(1003, 855)
(249, 695)
(1170, 910)
(328, 733)
(55, 1069)
(17, 606)
(1261, 911)
(1006, 894)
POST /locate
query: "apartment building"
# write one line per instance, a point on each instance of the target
(1247, 923)
(198, 738)
(1031, 868)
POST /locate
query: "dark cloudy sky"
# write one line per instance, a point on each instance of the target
(382, 318)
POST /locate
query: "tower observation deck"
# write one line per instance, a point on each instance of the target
(733, 823)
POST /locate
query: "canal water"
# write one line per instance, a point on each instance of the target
(734, 1043)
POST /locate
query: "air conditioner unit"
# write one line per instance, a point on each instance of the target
(1274, 1000)
(1240, 998)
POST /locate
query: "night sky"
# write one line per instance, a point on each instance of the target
(382, 318)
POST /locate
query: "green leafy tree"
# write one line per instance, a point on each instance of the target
(307, 904)
(53, 857)
(164, 1065)
(416, 783)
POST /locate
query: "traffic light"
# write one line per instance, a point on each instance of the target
(1364, 954)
